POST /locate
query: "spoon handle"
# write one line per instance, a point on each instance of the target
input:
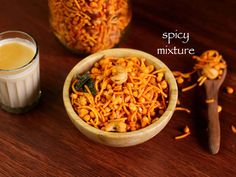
(213, 127)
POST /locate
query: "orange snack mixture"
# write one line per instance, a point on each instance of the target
(186, 133)
(88, 26)
(130, 94)
(210, 65)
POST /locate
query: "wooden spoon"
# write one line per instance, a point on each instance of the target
(212, 88)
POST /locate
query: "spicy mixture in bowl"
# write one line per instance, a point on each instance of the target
(120, 94)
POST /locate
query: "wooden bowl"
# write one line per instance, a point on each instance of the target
(113, 138)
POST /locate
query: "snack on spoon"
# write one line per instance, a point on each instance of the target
(211, 69)
(211, 65)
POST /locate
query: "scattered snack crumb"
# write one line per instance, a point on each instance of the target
(233, 128)
(208, 101)
(182, 136)
(180, 80)
(229, 90)
(189, 87)
(219, 108)
(178, 102)
(186, 133)
(186, 129)
(182, 109)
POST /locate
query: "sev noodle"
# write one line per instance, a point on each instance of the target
(89, 26)
(123, 104)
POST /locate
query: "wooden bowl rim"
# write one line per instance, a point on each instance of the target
(173, 91)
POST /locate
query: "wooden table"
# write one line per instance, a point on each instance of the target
(44, 142)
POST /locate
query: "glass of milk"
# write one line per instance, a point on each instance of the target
(19, 72)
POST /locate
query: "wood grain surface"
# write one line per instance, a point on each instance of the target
(44, 142)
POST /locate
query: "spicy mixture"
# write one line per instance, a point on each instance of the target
(211, 66)
(89, 26)
(120, 94)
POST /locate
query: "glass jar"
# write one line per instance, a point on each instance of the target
(88, 26)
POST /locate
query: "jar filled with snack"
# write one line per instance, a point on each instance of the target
(88, 26)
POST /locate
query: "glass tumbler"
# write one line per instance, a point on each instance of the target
(19, 76)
